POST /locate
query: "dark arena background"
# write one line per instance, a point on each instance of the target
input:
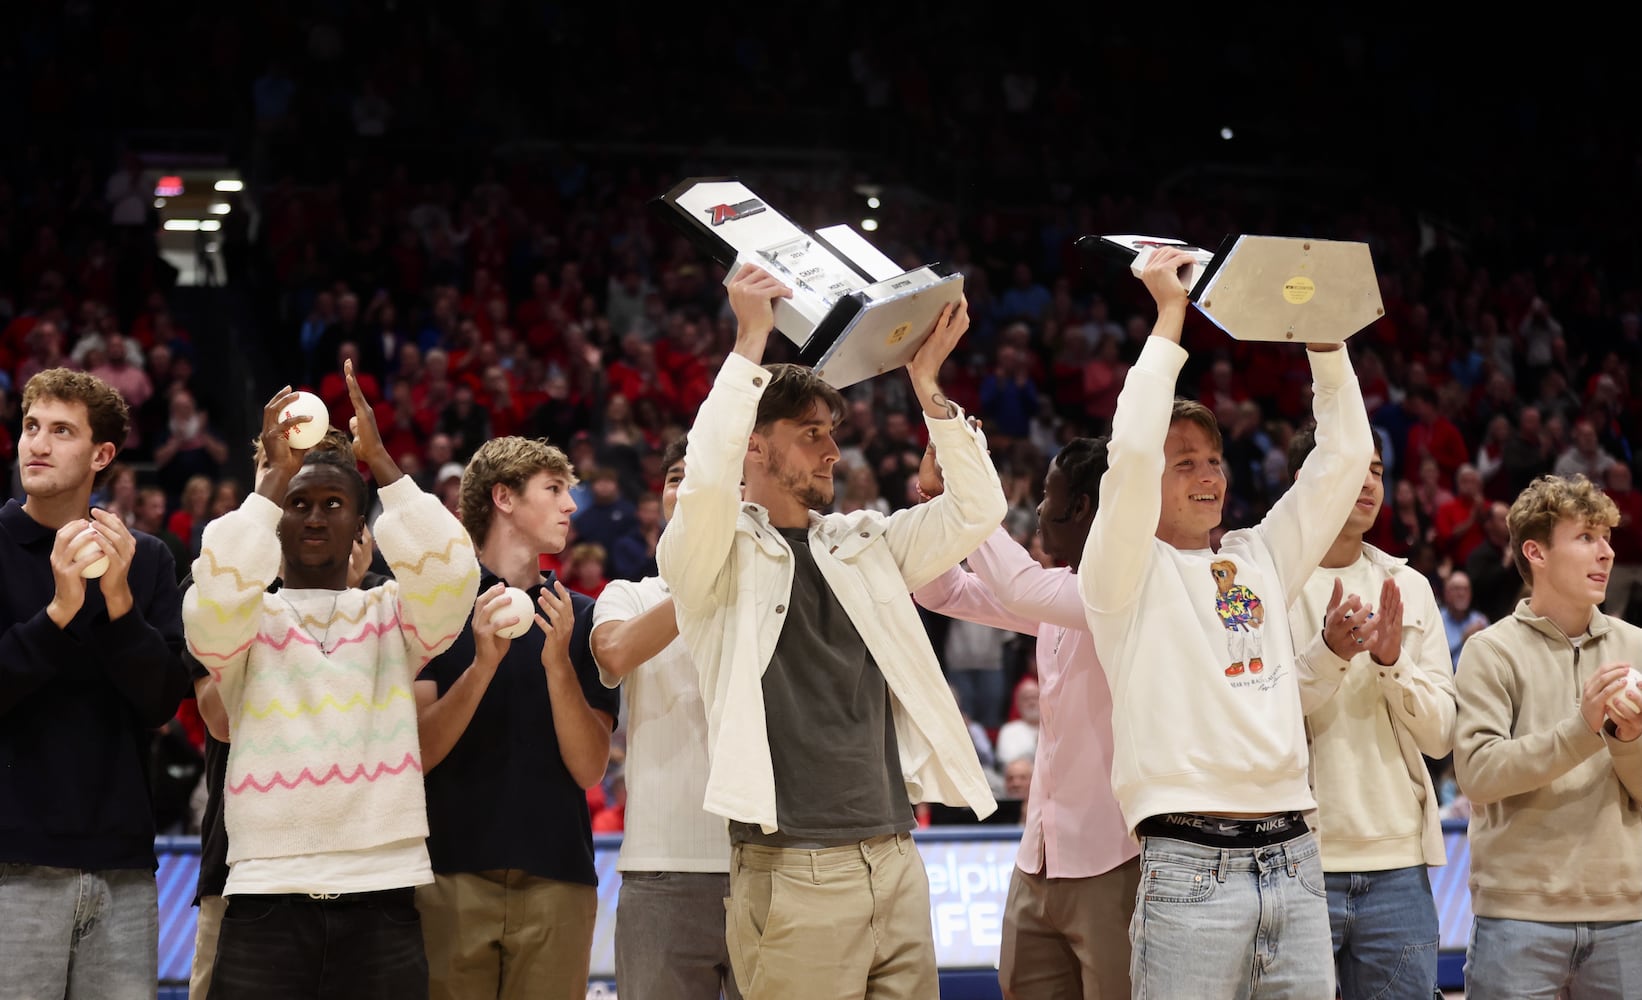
(206, 202)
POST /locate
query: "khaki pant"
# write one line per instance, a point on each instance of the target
(507, 935)
(206, 929)
(843, 923)
(1068, 938)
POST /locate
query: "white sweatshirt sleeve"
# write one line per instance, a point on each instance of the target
(1131, 495)
(1305, 521)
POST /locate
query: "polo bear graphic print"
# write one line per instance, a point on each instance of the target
(1242, 613)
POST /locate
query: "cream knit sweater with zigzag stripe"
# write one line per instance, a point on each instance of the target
(325, 755)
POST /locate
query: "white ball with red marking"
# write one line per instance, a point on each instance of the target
(1630, 694)
(305, 435)
(518, 604)
(97, 568)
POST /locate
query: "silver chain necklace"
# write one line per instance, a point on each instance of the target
(302, 623)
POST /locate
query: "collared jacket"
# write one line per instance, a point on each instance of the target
(731, 576)
(1418, 688)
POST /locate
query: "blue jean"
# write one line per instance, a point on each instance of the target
(78, 934)
(1385, 933)
(1529, 960)
(670, 936)
(1238, 924)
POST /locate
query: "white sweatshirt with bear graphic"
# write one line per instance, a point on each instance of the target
(1205, 700)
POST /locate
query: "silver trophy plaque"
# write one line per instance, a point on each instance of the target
(1284, 289)
(853, 314)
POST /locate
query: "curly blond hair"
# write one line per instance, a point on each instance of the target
(1548, 501)
(508, 461)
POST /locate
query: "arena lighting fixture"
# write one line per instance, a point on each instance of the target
(210, 226)
(873, 202)
(1226, 132)
(229, 186)
(183, 225)
(221, 208)
(870, 225)
(159, 202)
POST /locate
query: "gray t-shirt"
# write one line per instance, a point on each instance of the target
(832, 738)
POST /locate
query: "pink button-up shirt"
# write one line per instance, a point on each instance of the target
(1073, 826)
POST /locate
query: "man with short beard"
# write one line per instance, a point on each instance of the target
(808, 650)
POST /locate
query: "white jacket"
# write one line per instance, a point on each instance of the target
(731, 577)
(1418, 688)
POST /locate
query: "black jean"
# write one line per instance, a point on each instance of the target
(361, 946)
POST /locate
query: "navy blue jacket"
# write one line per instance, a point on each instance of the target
(78, 706)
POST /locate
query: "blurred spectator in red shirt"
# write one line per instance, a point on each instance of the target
(1102, 381)
(584, 569)
(1432, 436)
(1460, 519)
(193, 509)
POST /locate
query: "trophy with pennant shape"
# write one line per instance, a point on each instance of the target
(854, 313)
(1269, 288)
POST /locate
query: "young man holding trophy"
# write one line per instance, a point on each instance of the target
(1209, 757)
(810, 651)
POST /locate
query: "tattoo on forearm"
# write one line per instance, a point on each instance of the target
(941, 402)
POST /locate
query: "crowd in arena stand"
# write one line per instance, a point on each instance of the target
(537, 296)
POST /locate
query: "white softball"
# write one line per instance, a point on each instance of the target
(97, 568)
(1630, 694)
(518, 603)
(306, 435)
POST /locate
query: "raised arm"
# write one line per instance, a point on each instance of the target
(692, 553)
(958, 594)
(1023, 585)
(1131, 497)
(930, 538)
(436, 574)
(239, 557)
(1305, 521)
